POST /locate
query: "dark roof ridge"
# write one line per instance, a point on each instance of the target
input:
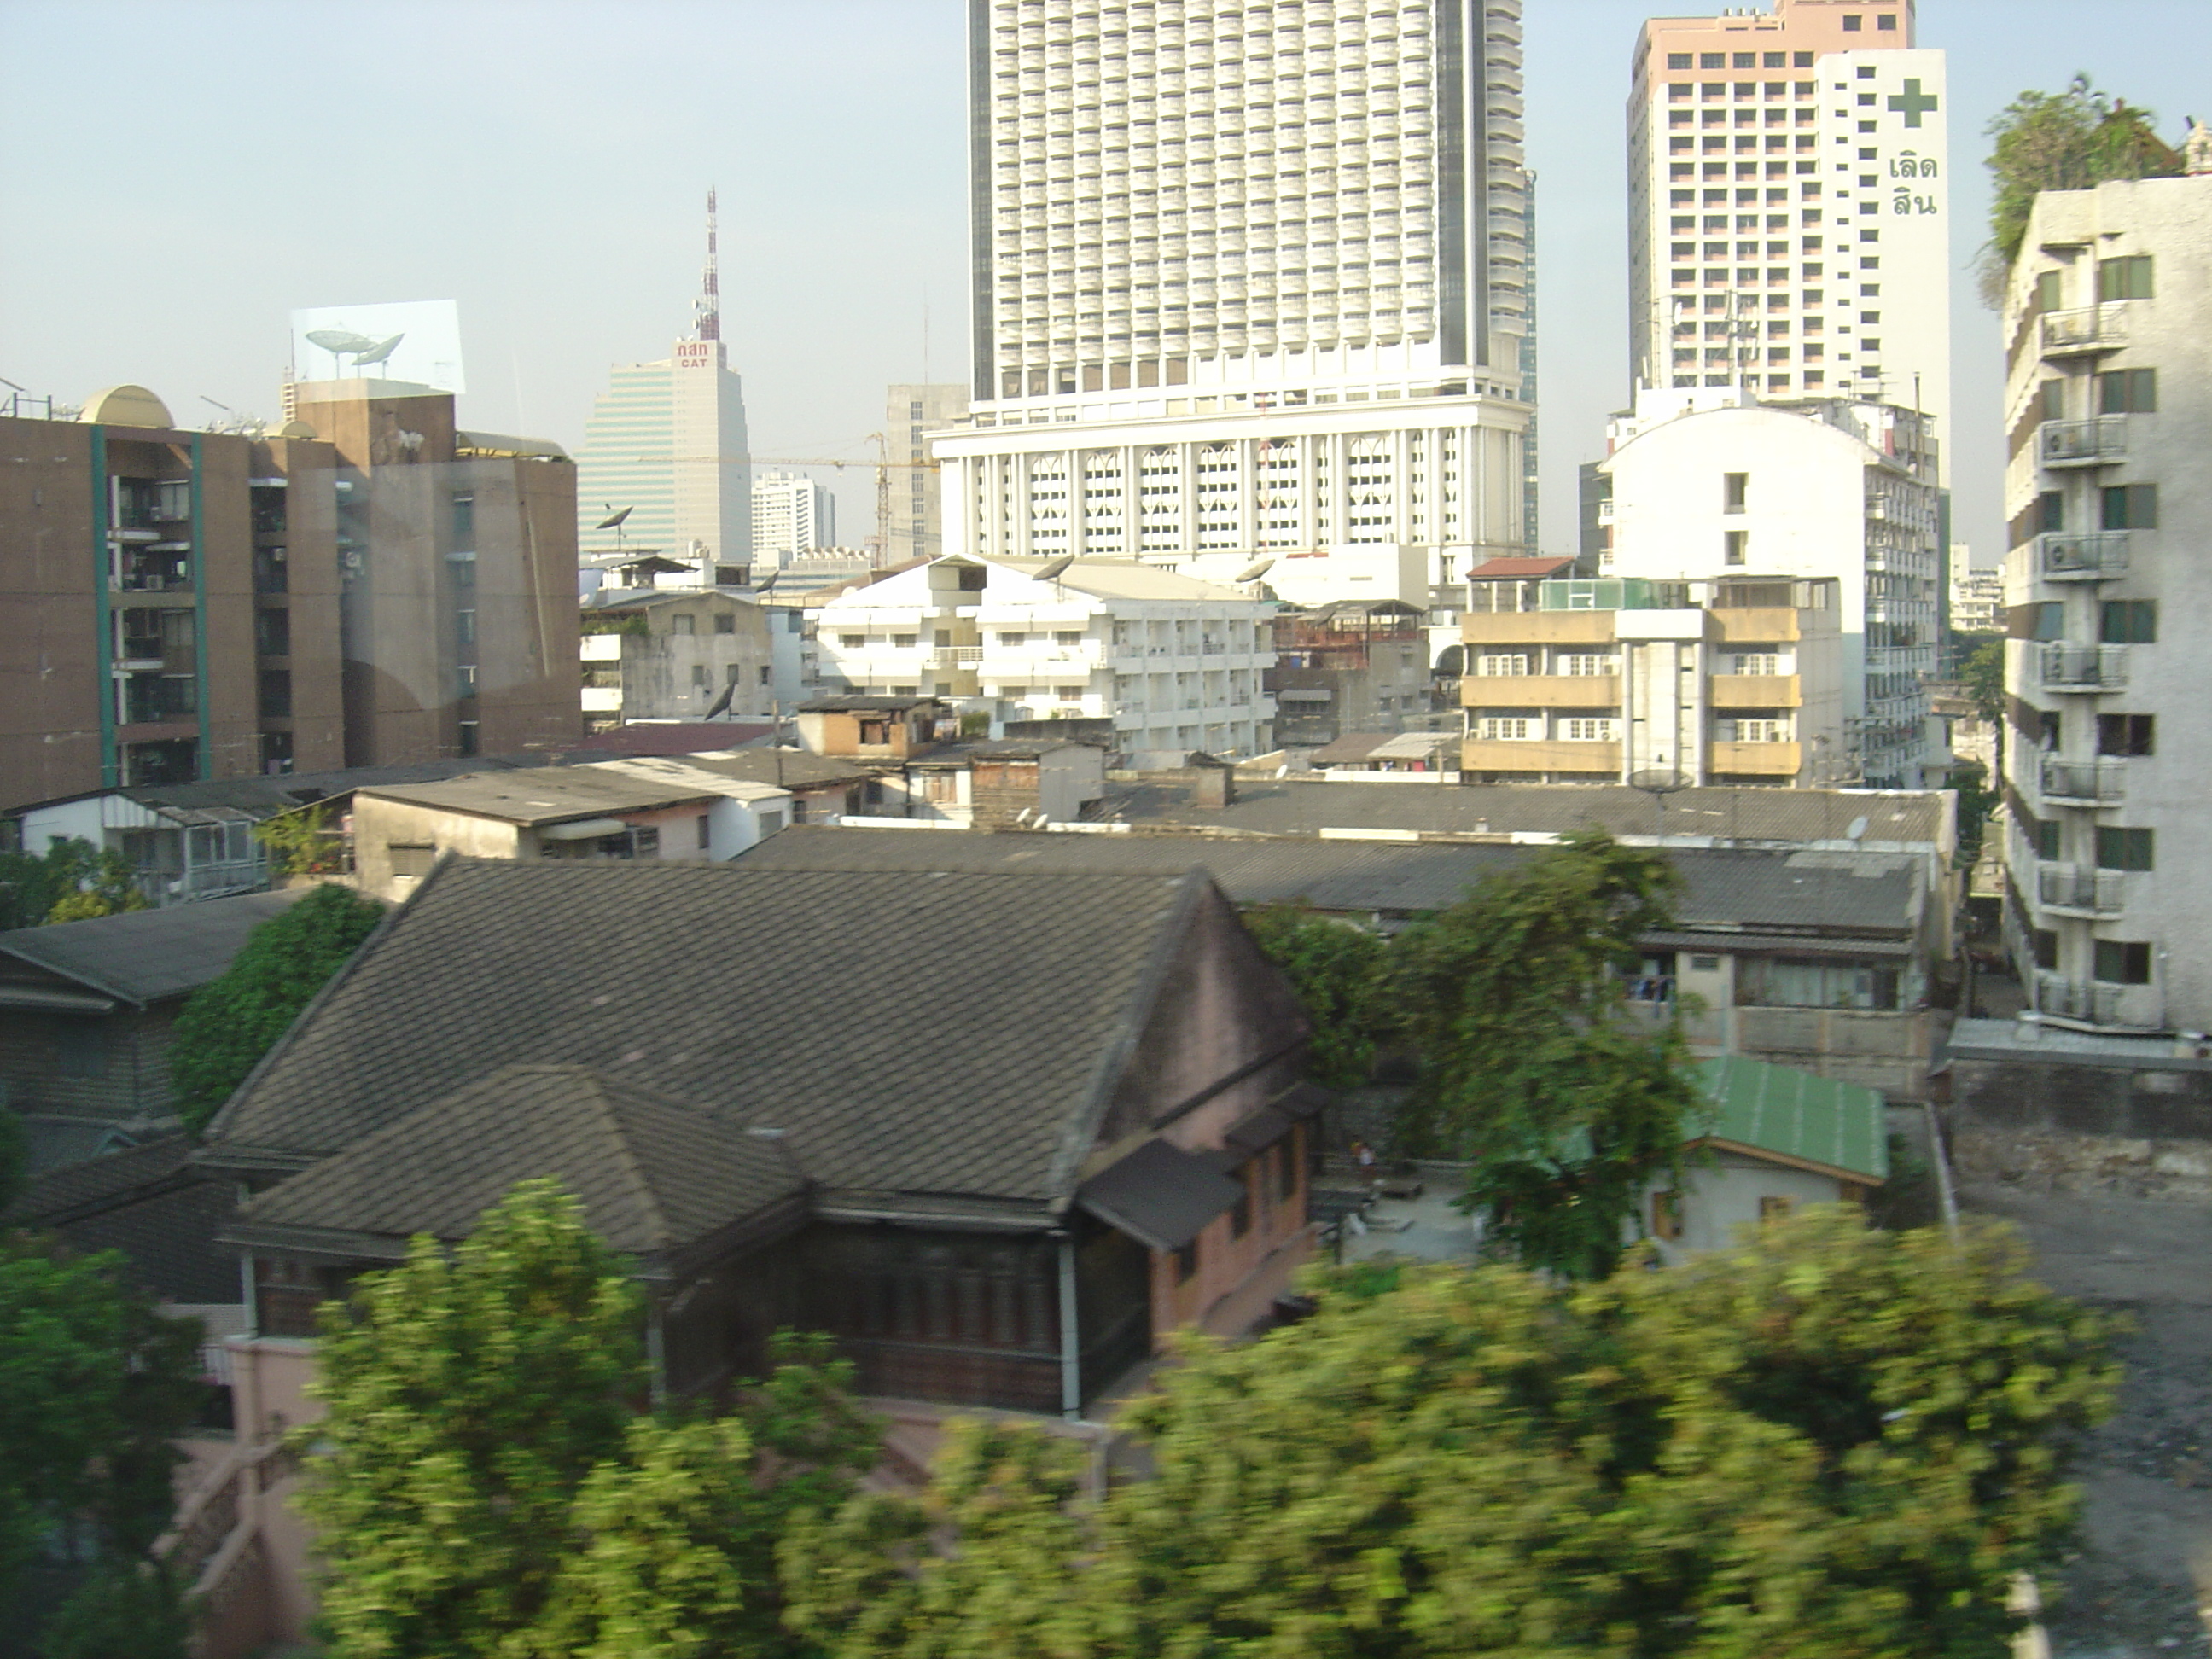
(79, 974)
(657, 1227)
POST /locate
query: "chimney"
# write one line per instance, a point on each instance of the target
(1213, 783)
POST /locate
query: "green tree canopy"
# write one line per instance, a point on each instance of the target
(1336, 969)
(1532, 1066)
(229, 1025)
(71, 881)
(485, 1483)
(1984, 674)
(2071, 139)
(1830, 1443)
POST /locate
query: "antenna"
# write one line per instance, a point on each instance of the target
(709, 307)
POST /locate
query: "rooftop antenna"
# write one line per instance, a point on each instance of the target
(709, 307)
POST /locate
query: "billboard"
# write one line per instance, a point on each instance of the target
(416, 340)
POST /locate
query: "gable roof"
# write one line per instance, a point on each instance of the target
(151, 1204)
(146, 956)
(1795, 1117)
(654, 1175)
(548, 796)
(949, 1037)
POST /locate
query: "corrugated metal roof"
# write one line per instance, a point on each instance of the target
(1796, 1115)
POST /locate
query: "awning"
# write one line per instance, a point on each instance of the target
(1778, 945)
(581, 830)
(1159, 1195)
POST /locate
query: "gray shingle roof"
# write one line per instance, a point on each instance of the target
(1292, 808)
(152, 1204)
(946, 1036)
(145, 956)
(654, 1175)
(1731, 887)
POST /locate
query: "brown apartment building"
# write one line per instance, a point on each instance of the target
(368, 587)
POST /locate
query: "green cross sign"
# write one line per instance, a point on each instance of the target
(1914, 103)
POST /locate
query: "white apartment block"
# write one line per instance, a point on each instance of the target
(1977, 604)
(792, 515)
(1244, 279)
(1175, 663)
(1707, 484)
(2109, 405)
(1789, 207)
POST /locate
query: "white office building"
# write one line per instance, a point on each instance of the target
(1244, 280)
(1789, 205)
(1174, 662)
(2109, 406)
(792, 515)
(1707, 484)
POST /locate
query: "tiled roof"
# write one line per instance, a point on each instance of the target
(946, 1036)
(861, 703)
(144, 956)
(1869, 893)
(1288, 808)
(149, 1203)
(1798, 1115)
(654, 1175)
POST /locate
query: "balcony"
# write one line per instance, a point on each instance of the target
(1542, 690)
(1773, 760)
(1758, 691)
(2088, 556)
(2090, 668)
(599, 647)
(2087, 328)
(2082, 783)
(2070, 890)
(956, 656)
(2099, 442)
(2074, 999)
(1527, 754)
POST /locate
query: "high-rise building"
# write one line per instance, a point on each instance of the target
(2107, 317)
(1244, 280)
(666, 445)
(792, 514)
(910, 414)
(1788, 206)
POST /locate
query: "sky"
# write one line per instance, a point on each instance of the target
(176, 176)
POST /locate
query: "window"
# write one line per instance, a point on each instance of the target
(904, 642)
(1735, 488)
(2126, 734)
(464, 521)
(1067, 636)
(1770, 1207)
(465, 627)
(1493, 729)
(1186, 1262)
(733, 673)
(1666, 1215)
(699, 676)
(1586, 730)
(1704, 964)
(1738, 548)
(1712, 60)
(2119, 962)
(1582, 666)
(2044, 942)
(2127, 391)
(767, 675)
(1762, 662)
(852, 642)
(1069, 693)
(1852, 25)
(2046, 620)
(1286, 1164)
(411, 858)
(704, 827)
(1801, 60)
(684, 624)
(2050, 290)
(467, 735)
(275, 693)
(2050, 401)
(2042, 835)
(2129, 622)
(727, 622)
(272, 633)
(2127, 278)
(1815, 983)
(2123, 849)
(1013, 639)
(1885, 20)
(2051, 511)
(1501, 665)
(1678, 60)
(2129, 507)
(1755, 730)
(1240, 1213)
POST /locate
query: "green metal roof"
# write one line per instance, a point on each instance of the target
(1778, 1108)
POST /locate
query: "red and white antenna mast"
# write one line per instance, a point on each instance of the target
(710, 291)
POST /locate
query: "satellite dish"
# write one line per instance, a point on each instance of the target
(340, 339)
(1252, 573)
(1857, 830)
(608, 523)
(1054, 569)
(763, 588)
(1658, 781)
(379, 353)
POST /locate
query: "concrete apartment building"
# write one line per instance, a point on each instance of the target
(1733, 681)
(368, 586)
(1977, 604)
(1707, 484)
(911, 413)
(2109, 403)
(1175, 663)
(792, 515)
(1244, 281)
(1788, 205)
(652, 654)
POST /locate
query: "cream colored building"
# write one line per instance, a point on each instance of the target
(662, 654)
(2109, 407)
(1734, 681)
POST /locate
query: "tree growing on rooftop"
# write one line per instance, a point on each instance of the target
(226, 1025)
(1336, 970)
(1532, 1067)
(1829, 1442)
(2070, 140)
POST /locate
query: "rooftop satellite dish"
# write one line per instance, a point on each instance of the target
(1857, 830)
(774, 578)
(335, 340)
(1055, 569)
(608, 523)
(377, 354)
(1252, 573)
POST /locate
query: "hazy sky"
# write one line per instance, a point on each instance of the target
(177, 175)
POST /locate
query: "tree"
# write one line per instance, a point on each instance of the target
(71, 881)
(228, 1024)
(304, 842)
(94, 1387)
(1532, 1067)
(2072, 140)
(1983, 674)
(1829, 1442)
(1977, 800)
(1335, 967)
(484, 1483)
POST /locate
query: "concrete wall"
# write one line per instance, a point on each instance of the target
(1720, 1198)
(378, 823)
(2052, 1126)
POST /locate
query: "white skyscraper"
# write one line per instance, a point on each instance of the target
(667, 441)
(1789, 207)
(791, 516)
(1244, 279)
